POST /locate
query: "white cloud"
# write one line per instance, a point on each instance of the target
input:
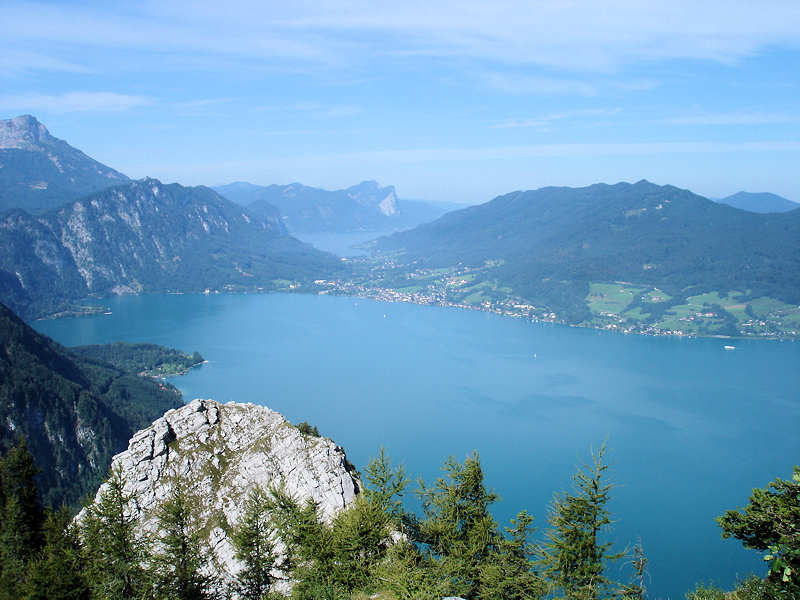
(72, 102)
(369, 159)
(577, 35)
(733, 119)
(20, 62)
(547, 120)
(313, 109)
(416, 155)
(522, 84)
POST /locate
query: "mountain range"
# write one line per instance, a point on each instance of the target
(554, 248)
(763, 202)
(145, 236)
(548, 245)
(363, 207)
(39, 172)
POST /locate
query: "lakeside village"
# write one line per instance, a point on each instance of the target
(463, 288)
(507, 307)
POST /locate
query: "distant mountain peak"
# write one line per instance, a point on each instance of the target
(366, 206)
(25, 132)
(759, 202)
(40, 171)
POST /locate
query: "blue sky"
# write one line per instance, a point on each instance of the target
(448, 100)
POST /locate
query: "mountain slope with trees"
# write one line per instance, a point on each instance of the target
(74, 410)
(550, 245)
(145, 236)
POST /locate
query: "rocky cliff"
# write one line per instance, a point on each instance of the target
(39, 171)
(220, 452)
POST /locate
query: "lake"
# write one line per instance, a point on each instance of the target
(342, 244)
(691, 428)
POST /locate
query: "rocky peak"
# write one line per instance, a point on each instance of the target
(222, 451)
(25, 133)
(370, 193)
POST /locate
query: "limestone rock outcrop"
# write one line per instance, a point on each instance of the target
(220, 452)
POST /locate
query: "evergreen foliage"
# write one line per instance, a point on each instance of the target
(338, 559)
(636, 589)
(58, 572)
(176, 564)
(21, 519)
(372, 549)
(307, 429)
(706, 592)
(75, 414)
(574, 556)
(115, 554)
(252, 542)
(508, 574)
(386, 484)
(771, 522)
(331, 560)
(457, 532)
(147, 359)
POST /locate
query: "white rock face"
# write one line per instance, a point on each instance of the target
(221, 451)
(388, 206)
(24, 133)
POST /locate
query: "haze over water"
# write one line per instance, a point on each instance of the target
(691, 428)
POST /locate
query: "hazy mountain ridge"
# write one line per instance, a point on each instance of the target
(761, 202)
(39, 172)
(75, 414)
(144, 236)
(363, 207)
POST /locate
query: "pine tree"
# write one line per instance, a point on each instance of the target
(58, 572)
(21, 519)
(176, 566)
(386, 484)
(253, 546)
(507, 573)
(309, 555)
(636, 589)
(115, 554)
(574, 557)
(457, 531)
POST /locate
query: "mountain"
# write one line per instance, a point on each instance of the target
(763, 202)
(221, 452)
(145, 236)
(363, 207)
(549, 245)
(75, 413)
(39, 171)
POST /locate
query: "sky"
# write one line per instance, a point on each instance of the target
(456, 101)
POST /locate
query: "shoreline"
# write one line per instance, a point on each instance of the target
(515, 309)
(392, 296)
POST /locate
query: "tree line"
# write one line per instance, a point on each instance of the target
(374, 549)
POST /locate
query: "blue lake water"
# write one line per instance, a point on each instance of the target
(691, 428)
(342, 244)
